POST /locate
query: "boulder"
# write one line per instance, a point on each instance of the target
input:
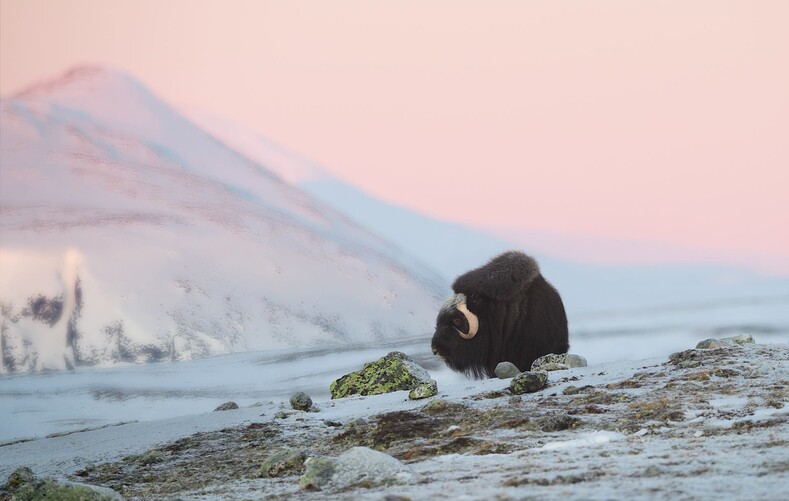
(358, 465)
(394, 372)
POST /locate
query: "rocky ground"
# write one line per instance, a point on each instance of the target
(704, 424)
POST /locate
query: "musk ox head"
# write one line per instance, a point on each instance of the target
(502, 311)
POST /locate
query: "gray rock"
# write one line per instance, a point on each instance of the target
(529, 382)
(709, 344)
(356, 465)
(284, 413)
(739, 339)
(425, 390)
(568, 360)
(714, 344)
(300, 401)
(227, 406)
(506, 370)
(572, 360)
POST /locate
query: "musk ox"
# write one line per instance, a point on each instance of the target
(502, 311)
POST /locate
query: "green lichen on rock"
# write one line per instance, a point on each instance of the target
(426, 390)
(394, 372)
(22, 485)
(528, 382)
(318, 474)
(284, 462)
(558, 361)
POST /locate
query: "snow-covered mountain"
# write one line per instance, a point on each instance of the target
(127, 233)
(600, 299)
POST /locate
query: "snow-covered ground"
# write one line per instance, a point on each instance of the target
(40, 404)
(710, 424)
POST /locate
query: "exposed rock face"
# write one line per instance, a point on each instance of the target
(561, 361)
(506, 370)
(529, 382)
(425, 390)
(394, 372)
(359, 465)
(301, 401)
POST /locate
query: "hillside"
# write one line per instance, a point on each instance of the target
(130, 235)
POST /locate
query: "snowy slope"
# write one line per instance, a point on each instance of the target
(129, 234)
(602, 300)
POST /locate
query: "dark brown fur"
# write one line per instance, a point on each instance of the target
(521, 317)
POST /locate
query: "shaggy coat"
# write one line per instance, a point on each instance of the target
(502, 311)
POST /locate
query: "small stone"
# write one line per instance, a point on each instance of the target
(429, 389)
(284, 462)
(300, 401)
(506, 370)
(227, 406)
(529, 382)
(560, 423)
(709, 344)
(572, 360)
(284, 413)
(568, 360)
(571, 390)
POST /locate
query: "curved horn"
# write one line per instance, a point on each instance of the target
(473, 322)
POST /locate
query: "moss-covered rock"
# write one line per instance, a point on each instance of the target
(318, 474)
(22, 485)
(394, 372)
(426, 390)
(285, 462)
(529, 382)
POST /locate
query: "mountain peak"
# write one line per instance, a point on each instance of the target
(84, 78)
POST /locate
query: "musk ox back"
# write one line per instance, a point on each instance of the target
(502, 311)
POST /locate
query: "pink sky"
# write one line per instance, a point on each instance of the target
(663, 122)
